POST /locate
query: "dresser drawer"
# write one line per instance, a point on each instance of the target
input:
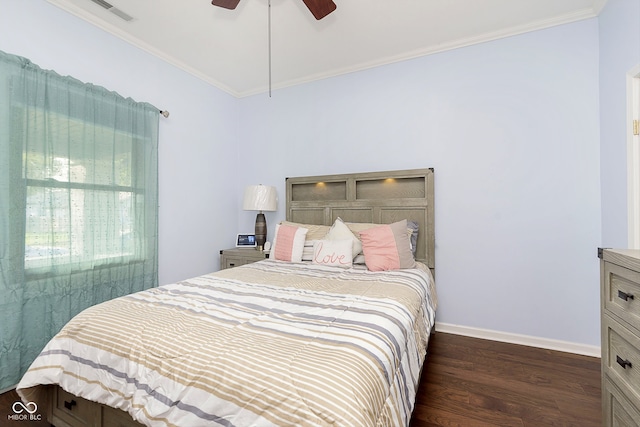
(622, 293)
(116, 418)
(617, 410)
(73, 410)
(621, 358)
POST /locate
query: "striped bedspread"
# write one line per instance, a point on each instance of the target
(265, 344)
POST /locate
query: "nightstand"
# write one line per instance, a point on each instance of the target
(235, 257)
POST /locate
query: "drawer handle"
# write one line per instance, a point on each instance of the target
(70, 405)
(623, 363)
(625, 296)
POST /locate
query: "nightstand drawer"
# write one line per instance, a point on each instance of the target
(621, 358)
(619, 412)
(622, 293)
(235, 257)
(235, 262)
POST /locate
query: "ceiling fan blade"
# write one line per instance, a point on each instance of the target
(320, 8)
(227, 4)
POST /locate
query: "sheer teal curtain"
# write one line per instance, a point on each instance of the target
(78, 204)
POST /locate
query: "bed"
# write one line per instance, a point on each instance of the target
(292, 342)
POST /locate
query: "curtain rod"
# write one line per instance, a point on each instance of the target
(165, 113)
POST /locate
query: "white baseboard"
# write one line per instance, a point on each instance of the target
(550, 344)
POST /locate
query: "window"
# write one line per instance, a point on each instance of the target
(81, 204)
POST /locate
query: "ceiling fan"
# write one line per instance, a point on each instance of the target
(319, 8)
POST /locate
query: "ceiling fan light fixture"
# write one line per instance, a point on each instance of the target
(320, 8)
(227, 4)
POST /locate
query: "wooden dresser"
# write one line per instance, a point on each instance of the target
(620, 313)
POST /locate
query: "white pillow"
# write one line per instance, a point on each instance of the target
(340, 231)
(333, 252)
(288, 243)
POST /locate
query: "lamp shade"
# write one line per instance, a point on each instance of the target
(260, 198)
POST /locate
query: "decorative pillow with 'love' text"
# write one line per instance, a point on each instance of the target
(337, 253)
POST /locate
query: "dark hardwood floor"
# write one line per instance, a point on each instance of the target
(470, 382)
(8, 416)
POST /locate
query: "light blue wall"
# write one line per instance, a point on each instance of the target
(619, 53)
(511, 128)
(197, 142)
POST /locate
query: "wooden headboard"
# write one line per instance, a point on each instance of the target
(372, 197)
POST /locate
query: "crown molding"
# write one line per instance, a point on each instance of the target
(456, 44)
(443, 47)
(136, 42)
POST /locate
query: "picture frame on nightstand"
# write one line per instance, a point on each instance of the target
(245, 240)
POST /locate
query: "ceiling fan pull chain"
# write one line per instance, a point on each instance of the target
(269, 48)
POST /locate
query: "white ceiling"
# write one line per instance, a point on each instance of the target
(230, 48)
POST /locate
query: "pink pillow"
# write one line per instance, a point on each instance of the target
(387, 247)
(288, 243)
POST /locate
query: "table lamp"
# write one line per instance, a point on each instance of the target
(260, 198)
